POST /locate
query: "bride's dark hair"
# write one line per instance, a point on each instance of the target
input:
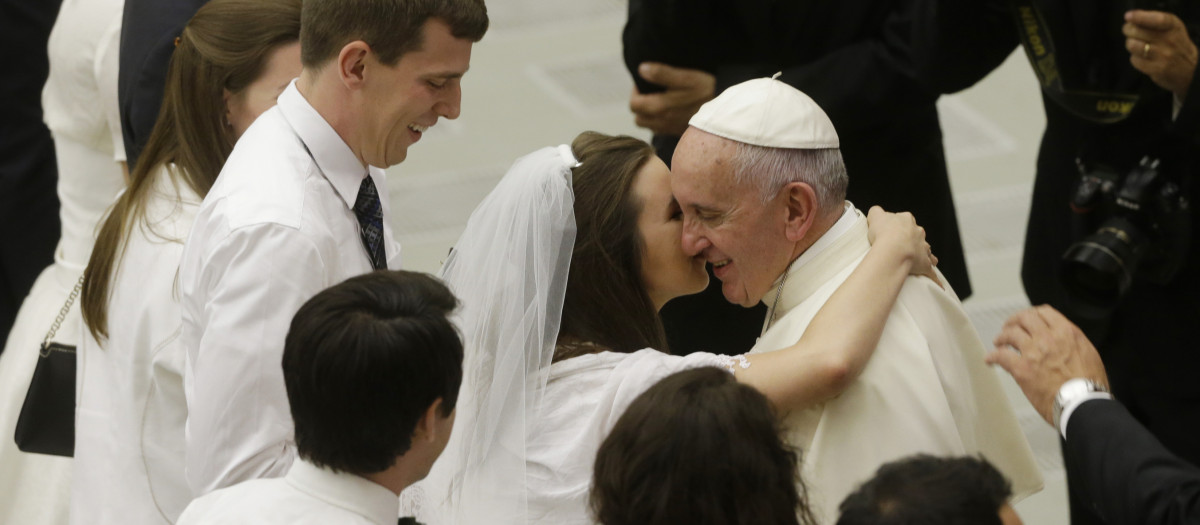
(606, 302)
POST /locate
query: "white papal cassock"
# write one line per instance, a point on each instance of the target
(925, 390)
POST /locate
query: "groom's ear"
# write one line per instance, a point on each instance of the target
(801, 204)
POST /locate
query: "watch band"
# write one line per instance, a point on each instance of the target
(1070, 395)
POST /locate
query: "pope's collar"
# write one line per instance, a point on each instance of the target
(333, 156)
(777, 299)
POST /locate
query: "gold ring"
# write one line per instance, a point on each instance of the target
(1146, 50)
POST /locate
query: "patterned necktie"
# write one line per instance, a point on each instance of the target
(370, 222)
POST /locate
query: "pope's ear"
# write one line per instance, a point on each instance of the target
(801, 203)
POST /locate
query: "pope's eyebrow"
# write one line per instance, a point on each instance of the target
(700, 208)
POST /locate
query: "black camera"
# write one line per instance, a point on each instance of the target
(1140, 225)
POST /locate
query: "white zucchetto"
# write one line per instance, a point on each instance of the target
(767, 112)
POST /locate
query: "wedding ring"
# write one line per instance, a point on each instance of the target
(1146, 50)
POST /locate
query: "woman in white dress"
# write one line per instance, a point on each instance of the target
(593, 245)
(231, 62)
(80, 104)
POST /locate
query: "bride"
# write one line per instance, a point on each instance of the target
(561, 272)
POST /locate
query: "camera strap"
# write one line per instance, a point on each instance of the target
(1104, 108)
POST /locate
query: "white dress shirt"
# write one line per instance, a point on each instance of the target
(276, 228)
(307, 494)
(130, 408)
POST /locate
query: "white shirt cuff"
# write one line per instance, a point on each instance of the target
(1071, 405)
(1175, 107)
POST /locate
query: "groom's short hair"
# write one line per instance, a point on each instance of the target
(391, 27)
(364, 361)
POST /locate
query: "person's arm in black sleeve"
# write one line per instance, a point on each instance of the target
(685, 34)
(148, 32)
(957, 43)
(1187, 121)
(862, 82)
(1127, 475)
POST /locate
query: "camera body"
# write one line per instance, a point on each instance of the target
(1139, 224)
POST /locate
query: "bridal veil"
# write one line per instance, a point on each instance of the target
(509, 271)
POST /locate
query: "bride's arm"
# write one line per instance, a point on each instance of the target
(841, 338)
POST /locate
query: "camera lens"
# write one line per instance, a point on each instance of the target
(1098, 270)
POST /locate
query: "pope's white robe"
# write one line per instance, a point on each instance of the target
(925, 390)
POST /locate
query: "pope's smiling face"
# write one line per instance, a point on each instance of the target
(727, 223)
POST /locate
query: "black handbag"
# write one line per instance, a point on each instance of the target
(47, 421)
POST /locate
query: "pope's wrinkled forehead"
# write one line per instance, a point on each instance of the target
(702, 170)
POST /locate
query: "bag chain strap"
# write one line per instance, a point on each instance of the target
(62, 314)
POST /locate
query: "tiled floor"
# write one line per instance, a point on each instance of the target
(548, 70)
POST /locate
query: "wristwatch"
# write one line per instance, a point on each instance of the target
(1072, 390)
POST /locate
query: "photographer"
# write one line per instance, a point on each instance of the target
(1117, 87)
(1122, 472)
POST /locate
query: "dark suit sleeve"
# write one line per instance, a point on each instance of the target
(863, 84)
(1124, 472)
(956, 44)
(682, 33)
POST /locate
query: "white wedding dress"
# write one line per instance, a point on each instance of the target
(80, 105)
(527, 430)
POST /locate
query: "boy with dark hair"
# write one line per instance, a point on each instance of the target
(372, 368)
(930, 490)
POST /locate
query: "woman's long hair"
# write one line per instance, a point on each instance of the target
(225, 46)
(606, 302)
(701, 448)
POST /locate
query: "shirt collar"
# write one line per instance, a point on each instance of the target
(799, 285)
(835, 232)
(347, 491)
(332, 155)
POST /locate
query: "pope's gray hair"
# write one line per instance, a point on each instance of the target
(770, 169)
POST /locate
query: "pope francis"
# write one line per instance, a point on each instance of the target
(761, 184)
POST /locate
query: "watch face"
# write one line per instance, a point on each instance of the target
(1074, 388)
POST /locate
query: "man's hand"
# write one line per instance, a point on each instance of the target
(1047, 350)
(1159, 46)
(668, 112)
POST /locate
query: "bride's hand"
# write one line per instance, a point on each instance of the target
(900, 232)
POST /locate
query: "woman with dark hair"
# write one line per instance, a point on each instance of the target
(700, 448)
(231, 61)
(588, 237)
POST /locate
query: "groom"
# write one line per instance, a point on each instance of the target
(760, 179)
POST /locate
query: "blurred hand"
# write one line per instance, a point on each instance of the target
(902, 231)
(668, 112)
(1170, 59)
(1042, 350)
